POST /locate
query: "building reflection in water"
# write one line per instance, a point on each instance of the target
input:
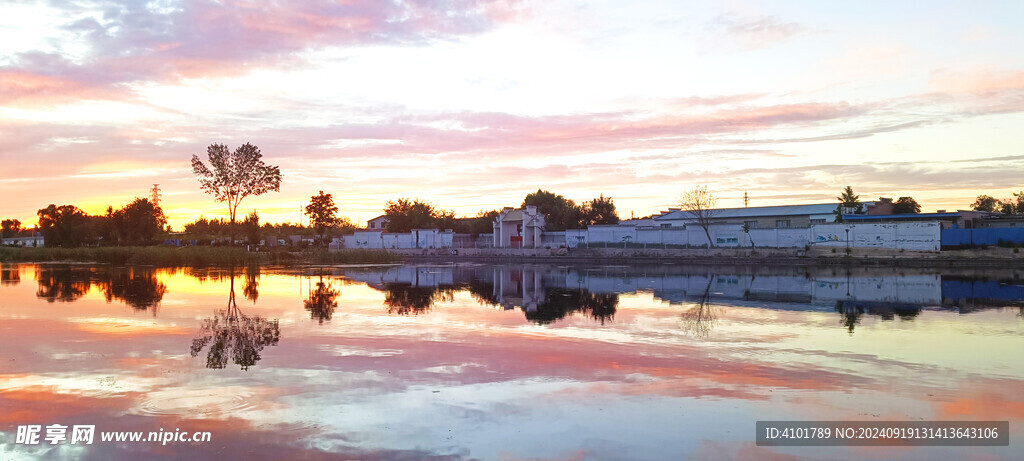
(417, 289)
(232, 335)
(548, 293)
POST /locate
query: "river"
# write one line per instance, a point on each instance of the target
(479, 361)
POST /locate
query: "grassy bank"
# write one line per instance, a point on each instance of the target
(192, 256)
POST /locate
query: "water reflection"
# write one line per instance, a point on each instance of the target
(547, 294)
(640, 348)
(139, 288)
(63, 283)
(322, 301)
(235, 336)
(9, 274)
(405, 299)
(700, 319)
(252, 283)
(559, 303)
(852, 311)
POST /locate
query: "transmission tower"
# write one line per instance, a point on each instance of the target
(154, 195)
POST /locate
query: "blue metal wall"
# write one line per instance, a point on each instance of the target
(967, 237)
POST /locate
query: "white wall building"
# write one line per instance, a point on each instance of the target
(33, 241)
(519, 228)
(378, 223)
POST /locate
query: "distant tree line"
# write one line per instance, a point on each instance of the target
(252, 232)
(137, 223)
(906, 205)
(231, 176)
(11, 228)
(989, 203)
(848, 200)
(404, 215)
(560, 213)
(140, 222)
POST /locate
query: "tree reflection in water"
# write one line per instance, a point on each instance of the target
(321, 302)
(139, 289)
(851, 312)
(700, 319)
(136, 287)
(559, 303)
(9, 275)
(251, 290)
(483, 292)
(405, 299)
(63, 283)
(235, 336)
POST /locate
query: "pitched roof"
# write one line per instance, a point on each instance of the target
(886, 217)
(760, 211)
(514, 215)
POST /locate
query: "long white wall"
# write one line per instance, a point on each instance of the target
(419, 238)
(908, 236)
(923, 236)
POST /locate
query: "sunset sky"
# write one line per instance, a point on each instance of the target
(473, 104)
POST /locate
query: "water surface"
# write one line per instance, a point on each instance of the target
(480, 361)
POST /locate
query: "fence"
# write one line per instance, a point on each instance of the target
(956, 238)
(924, 236)
(909, 236)
(468, 241)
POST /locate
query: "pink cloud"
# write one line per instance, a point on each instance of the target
(754, 32)
(983, 83)
(21, 88)
(205, 39)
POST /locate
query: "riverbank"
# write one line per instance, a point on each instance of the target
(164, 256)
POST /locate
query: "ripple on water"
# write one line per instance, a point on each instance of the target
(205, 402)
